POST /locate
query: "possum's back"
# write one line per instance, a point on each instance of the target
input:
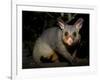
(50, 36)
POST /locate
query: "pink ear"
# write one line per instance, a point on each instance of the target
(61, 23)
(78, 24)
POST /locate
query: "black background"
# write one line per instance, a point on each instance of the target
(34, 23)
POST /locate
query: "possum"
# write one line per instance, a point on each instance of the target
(55, 41)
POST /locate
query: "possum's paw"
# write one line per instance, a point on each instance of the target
(75, 61)
(54, 58)
(50, 59)
(80, 62)
(45, 60)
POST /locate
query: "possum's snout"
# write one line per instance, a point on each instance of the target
(69, 41)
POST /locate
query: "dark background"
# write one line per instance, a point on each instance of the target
(34, 23)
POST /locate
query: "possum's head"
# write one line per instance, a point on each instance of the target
(70, 32)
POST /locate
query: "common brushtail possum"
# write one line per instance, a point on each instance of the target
(53, 41)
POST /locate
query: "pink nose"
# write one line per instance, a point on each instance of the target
(69, 41)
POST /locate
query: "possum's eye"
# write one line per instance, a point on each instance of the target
(66, 33)
(74, 34)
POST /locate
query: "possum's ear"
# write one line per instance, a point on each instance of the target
(61, 23)
(78, 24)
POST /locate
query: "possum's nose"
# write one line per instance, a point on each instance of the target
(69, 41)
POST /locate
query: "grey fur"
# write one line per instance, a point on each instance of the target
(50, 41)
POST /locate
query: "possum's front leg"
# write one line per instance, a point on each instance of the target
(63, 51)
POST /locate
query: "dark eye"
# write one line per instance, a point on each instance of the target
(74, 33)
(66, 33)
